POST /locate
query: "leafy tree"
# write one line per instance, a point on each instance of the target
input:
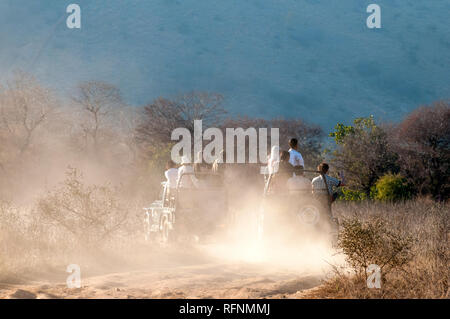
(363, 153)
(341, 131)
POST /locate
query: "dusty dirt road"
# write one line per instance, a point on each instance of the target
(205, 281)
(184, 273)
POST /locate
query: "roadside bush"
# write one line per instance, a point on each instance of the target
(422, 222)
(371, 242)
(91, 224)
(348, 194)
(392, 187)
(86, 215)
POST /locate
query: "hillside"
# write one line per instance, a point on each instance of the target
(314, 59)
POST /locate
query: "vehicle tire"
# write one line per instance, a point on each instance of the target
(312, 214)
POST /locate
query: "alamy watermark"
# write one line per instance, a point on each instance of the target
(220, 148)
(374, 19)
(374, 279)
(73, 21)
(74, 279)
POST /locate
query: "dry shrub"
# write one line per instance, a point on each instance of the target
(422, 223)
(372, 242)
(86, 215)
(74, 221)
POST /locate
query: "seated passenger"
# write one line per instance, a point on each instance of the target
(186, 181)
(285, 171)
(321, 188)
(299, 182)
(284, 165)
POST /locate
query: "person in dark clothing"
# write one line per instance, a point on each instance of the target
(285, 171)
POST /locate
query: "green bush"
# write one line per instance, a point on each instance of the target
(348, 194)
(391, 187)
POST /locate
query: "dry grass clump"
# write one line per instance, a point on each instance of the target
(408, 240)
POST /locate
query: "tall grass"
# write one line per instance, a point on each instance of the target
(425, 275)
(53, 232)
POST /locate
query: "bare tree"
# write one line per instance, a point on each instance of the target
(422, 141)
(163, 115)
(99, 103)
(25, 107)
(26, 112)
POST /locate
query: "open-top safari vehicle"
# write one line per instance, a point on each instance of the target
(294, 214)
(159, 217)
(188, 213)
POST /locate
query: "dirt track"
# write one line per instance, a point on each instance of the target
(206, 281)
(177, 274)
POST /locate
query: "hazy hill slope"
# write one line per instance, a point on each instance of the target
(311, 58)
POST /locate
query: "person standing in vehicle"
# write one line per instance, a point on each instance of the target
(295, 157)
(186, 181)
(171, 174)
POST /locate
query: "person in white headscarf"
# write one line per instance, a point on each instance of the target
(186, 181)
(274, 160)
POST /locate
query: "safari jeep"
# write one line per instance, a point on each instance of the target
(184, 214)
(159, 217)
(293, 215)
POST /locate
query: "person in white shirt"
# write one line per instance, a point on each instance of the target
(298, 182)
(295, 158)
(171, 174)
(186, 181)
